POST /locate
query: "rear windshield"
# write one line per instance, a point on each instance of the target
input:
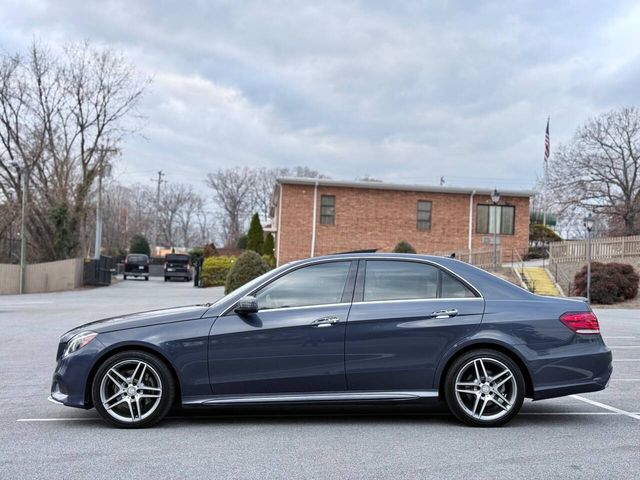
(137, 258)
(175, 258)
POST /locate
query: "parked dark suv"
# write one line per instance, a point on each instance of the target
(136, 265)
(177, 265)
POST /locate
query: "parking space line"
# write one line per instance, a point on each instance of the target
(621, 337)
(606, 407)
(626, 359)
(624, 346)
(70, 419)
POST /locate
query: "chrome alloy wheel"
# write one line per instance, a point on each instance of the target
(486, 388)
(131, 391)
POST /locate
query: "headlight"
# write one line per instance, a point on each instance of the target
(78, 341)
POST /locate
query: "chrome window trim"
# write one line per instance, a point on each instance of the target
(418, 300)
(350, 258)
(301, 307)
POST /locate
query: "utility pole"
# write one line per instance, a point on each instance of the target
(103, 152)
(157, 213)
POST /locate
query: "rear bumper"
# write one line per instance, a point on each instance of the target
(137, 274)
(575, 374)
(177, 274)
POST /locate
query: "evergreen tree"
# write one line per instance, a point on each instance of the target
(255, 236)
(139, 244)
(267, 248)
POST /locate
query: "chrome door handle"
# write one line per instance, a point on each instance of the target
(446, 313)
(325, 321)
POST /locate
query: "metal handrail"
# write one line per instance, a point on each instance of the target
(561, 278)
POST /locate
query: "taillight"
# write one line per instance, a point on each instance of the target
(581, 322)
(126, 261)
(165, 265)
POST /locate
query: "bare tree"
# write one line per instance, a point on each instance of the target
(233, 193)
(61, 117)
(599, 169)
(265, 181)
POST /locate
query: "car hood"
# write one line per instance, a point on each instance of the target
(143, 319)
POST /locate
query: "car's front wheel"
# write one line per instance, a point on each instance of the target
(133, 389)
(484, 388)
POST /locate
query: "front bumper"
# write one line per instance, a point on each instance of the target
(69, 382)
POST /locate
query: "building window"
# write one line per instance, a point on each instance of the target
(327, 209)
(424, 215)
(495, 219)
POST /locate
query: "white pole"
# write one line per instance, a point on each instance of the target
(23, 229)
(313, 222)
(98, 244)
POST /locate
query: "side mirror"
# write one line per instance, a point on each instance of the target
(247, 305)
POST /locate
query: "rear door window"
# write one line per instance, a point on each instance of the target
(453, 288)
(405, 280)
(397, 280)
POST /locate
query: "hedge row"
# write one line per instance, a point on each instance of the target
(215, 271)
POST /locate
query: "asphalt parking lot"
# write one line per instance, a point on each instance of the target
(588, 436)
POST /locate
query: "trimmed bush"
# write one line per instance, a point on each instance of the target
(215, 271)
(248, 266)
(404, 247)
(139, 244)
(610, 282)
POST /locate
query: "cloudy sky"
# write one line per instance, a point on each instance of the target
(402, 91)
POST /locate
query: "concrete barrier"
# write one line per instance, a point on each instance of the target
(42, 277)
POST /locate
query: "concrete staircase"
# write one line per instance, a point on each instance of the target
(539, 281)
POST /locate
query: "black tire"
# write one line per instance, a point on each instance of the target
(156, 368)
(166, 279)
(146, 279)
(125, 277)
(501, 402)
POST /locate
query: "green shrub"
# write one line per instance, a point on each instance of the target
(248, 266)
(255, 236)
(270, 259)
(610, 282)
(403, 247)
(139, 244)
(215, 271)
(267, 248)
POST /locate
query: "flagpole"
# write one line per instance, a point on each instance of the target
(547, 148)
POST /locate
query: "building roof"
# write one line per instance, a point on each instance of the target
(328, 182)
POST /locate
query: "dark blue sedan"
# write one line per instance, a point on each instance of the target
(341, 329)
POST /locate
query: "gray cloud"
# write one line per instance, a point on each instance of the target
(404, 92)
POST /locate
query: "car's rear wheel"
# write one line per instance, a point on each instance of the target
(125, 277)
(133, 390)
(146, 279)
(484, 388)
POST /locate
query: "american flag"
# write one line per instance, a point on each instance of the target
(547, 143)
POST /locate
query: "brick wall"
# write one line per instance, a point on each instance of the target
(378, 219)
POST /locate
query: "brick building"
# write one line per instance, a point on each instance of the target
(314, 217)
